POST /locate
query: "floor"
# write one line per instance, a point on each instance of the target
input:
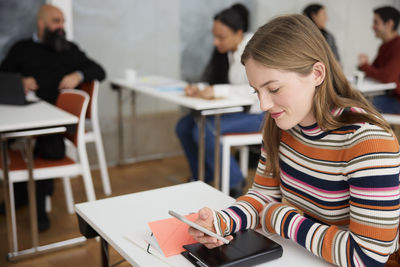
(124, 180)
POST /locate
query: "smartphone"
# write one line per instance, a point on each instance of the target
(198, 227)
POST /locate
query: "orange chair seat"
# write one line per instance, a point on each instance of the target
(17, 162)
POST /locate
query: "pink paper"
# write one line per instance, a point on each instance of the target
(172, 234)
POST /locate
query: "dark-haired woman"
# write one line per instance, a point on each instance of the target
(226, 76)
(317, 13)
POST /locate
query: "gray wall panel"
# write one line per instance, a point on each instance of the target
(17, 21)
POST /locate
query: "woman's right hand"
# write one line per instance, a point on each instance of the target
(206, 220)
(362, 59)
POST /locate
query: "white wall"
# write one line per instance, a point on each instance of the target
(142, 35)
(350, 21)
(129, 34)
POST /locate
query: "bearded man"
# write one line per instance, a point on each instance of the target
(48, 63)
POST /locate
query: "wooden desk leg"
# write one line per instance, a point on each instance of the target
(104, 253)
(32, 194)
(201, 152)
(217, 154)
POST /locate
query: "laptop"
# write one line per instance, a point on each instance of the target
(11, 89)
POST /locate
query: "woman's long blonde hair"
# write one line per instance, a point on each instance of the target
(294, 43)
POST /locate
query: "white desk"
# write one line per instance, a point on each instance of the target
(370, 87)
(200, 107)
(177, 97)
(24, 122)
(114, 218)
(33, 116)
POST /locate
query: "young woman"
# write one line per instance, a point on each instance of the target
(317, 13)
(328, 177)
(227, 76)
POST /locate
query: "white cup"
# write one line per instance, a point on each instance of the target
(359, 76)
(130, 75)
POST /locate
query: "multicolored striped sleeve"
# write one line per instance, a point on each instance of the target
(244, 214)
(372, 173)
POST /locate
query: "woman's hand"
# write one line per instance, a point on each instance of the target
(193, 90)
(206, 220)
(362, 59)
(207, 93)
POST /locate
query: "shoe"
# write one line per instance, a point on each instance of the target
(43, 222)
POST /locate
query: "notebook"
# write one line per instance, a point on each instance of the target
(11, 89)
(248, 248)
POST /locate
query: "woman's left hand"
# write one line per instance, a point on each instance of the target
(191, 90)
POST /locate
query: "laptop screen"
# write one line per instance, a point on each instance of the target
(11, 89)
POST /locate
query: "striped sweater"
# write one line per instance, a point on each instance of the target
(345, 181)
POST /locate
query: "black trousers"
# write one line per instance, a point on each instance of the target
(43, 188)
(49, 147)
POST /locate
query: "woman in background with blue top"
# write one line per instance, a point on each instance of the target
(226, 76)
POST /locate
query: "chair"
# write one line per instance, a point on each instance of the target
(74, 102)
(236, 139)
(92, 118)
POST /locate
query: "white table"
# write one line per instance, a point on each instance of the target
(33, 116)
(25, 122)
(371, 87)
(114, 218)
(151, 85)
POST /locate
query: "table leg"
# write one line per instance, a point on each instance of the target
(12, 238)
(32, 193)
(217, 154)
(104, 252)
(14, 253)
(134, 124)
(120, 129)
(201, 152)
